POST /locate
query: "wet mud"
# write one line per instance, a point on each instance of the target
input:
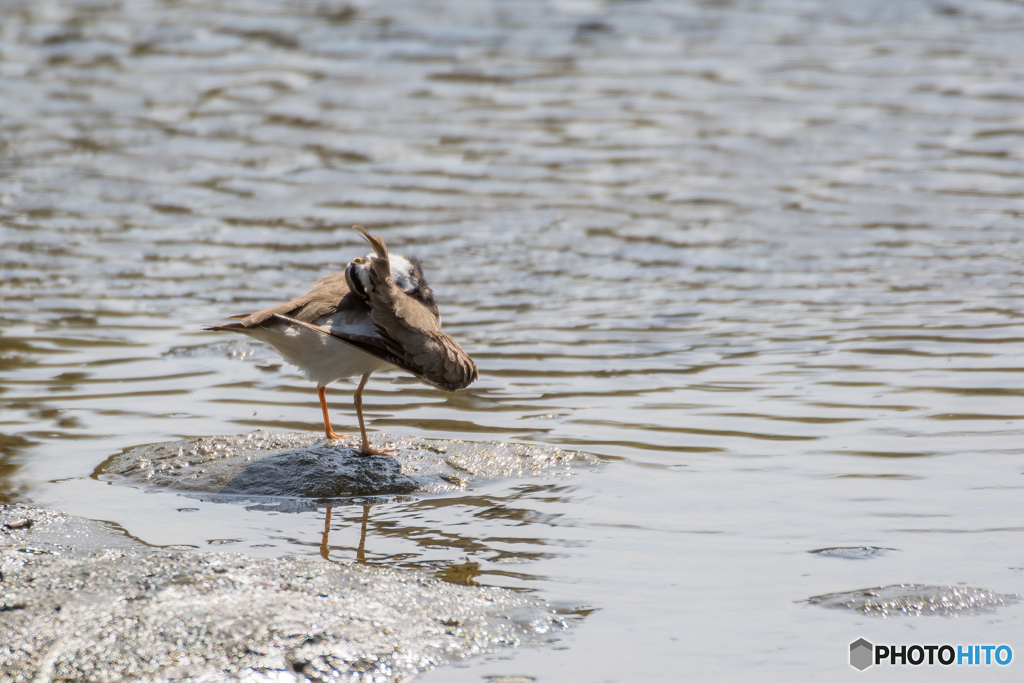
(301, 470)
(79, 601)
(917, 600)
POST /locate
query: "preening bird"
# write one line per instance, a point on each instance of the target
(377, 314)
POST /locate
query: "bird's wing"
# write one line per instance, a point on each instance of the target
(371, 345)
(410, 331)
(328, 295)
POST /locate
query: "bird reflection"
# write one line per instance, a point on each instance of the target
(434, 550)
(325, 550)
(464, 573)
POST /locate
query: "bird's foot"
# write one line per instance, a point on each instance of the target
(334, 435)
(367, 449)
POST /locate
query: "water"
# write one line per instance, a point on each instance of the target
(762, 258)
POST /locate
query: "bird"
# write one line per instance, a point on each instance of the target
(377, 314)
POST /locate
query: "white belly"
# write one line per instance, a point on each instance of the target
(321, 358)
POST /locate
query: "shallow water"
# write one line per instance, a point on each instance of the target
(763, 259)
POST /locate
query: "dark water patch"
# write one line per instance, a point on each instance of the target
(11, 443)
(639, 445)
(78, 378)
(973, 416)
(471, 77)
(36, 400)
(883, 454)
(917, 600)
(853, 406)
(700, 432)
(10, 446)
(901, 352)
(805, 420)
(893, 477)
(986, 530)
(972, 391)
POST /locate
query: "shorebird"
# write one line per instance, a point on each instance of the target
(377, 314)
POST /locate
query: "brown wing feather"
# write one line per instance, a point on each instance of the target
(410, 331)
(329, 294)
(371, 345)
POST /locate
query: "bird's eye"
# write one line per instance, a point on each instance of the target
(358, 261)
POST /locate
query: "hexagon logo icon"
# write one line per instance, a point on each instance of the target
(861, 654)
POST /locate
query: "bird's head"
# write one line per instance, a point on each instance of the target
(407, 273)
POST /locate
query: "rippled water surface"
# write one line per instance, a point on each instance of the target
(763, 259)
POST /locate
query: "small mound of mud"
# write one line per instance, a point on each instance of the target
(127, 613)
(916, 600)
(864, 552)
(262, 465)
(39, 531)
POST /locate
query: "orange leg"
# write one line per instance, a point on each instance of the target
(358, 400)
(331, 434)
